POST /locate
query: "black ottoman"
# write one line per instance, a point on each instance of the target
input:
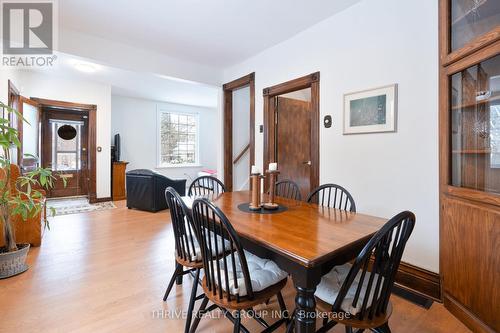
(146, 189)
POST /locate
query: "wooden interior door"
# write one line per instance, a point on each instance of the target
(293, 141)
(68, 157)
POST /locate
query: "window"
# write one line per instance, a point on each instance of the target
(178, 138)
(66, 152)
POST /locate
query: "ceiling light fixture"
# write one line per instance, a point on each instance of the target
(86, 67)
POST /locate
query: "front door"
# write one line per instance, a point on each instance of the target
(64, 150)
(293, 141)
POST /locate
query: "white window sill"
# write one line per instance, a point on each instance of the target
(174, 166)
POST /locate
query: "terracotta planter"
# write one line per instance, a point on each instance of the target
(14, 263)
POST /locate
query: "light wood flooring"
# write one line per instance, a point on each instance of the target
(107, 271)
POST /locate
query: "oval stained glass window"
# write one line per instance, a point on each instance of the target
(66, 132)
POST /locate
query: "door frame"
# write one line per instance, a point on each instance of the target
(308, 81)
(91, 140)
(228, 88)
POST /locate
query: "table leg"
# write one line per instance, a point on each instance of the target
(305, 307)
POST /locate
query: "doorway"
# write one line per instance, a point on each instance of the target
(291, 131)
(65, 133)
(68, 146)
(239, 132)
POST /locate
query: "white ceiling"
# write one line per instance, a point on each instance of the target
(217, 33)
(137, 84)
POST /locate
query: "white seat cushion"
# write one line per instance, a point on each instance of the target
(263, 273)
(330, 285)
(196, 252)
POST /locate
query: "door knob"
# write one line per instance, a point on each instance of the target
(307, 162)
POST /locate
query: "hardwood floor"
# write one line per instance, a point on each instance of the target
(106, 271)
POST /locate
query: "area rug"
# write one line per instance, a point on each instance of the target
(67, 206)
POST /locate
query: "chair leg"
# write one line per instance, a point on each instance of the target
(382, 329)
(179, 268)
(237, 322)
(191, 301)
(198, 315)
(291, 324)
(281, 302)
(172, 280)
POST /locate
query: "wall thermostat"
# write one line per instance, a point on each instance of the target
(327, 121)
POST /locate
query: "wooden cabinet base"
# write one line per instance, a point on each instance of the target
(118, 181)
(29, 231)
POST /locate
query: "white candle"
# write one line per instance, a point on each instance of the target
(273, 166)
(255, 170)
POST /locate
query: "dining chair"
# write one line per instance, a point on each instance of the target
(357, 295)
(286, 188)
(206, 185)
(187, 249)
(237, 281)
(333, 196)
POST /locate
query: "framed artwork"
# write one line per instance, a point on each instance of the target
(371, 111)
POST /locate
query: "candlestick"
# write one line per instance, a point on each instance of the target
(272, 182)
(255, 203)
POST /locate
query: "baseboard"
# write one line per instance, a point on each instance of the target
(419, 280)
(96, 200)
(465, 316)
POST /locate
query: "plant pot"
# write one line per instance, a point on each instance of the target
(13, 263)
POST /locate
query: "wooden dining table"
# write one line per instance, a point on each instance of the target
(306, 240)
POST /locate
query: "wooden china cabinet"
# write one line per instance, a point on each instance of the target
(469, 116)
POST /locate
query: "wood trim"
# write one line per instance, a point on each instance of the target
(419, 280)
(241, 82)
(247, 80)
(92, 133)
(474, 195)
(464, 315)
(63, 105)
(12, 88)
(105, 199)
(241, 154)
(476, 44)
(292, 85)
(308, 81)
(485, 53)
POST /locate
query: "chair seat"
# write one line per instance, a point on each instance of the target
(196, 252)
(263, 274)
(329, 288)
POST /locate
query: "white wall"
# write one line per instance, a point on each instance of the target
(371, 44)
(45, 85)
(136, 122)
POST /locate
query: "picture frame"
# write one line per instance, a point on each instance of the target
(371, 111)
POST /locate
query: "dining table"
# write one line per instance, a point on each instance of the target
(304, 239)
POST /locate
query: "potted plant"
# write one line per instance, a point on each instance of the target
(26, 199)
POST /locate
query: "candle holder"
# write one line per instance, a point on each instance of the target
(255, 203)
(271, 205)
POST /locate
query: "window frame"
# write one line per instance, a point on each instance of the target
(161, 109)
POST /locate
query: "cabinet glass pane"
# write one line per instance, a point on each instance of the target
(472, 18)
(475, 126)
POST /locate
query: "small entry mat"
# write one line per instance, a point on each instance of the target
(245, 207)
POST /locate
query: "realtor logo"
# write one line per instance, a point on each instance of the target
(29, 31)
(27, 27)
